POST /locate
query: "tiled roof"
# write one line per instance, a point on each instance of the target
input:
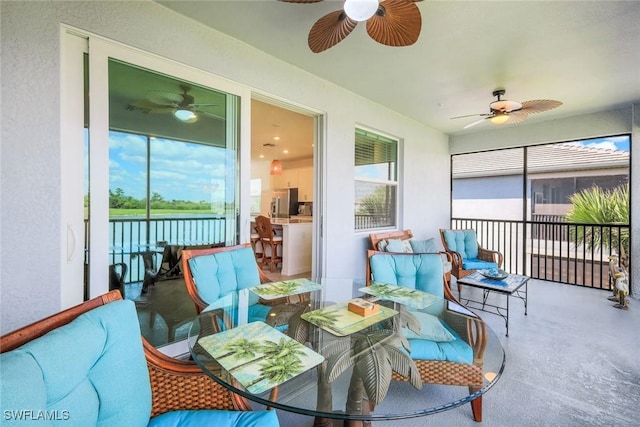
(540, 159)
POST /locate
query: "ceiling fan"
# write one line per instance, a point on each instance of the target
(503, 111)
(389, 22)
(181, 105)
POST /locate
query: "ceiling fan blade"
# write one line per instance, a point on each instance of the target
(539, 105)
(475, 123)
(148, 106)
(516, 117)
(472, 115)
(330, 30)
(161, 97)
(396, 23)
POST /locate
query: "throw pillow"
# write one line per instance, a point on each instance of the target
(382, 245)
(431, 328)
(398, 245)
(424, 246)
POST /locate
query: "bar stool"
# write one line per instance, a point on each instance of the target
(270, 241)
(255, 242)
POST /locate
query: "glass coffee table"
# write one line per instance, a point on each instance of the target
(326, 360)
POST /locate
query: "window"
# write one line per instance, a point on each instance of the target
(376, 180)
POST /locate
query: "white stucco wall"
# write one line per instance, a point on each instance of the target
(31, 145)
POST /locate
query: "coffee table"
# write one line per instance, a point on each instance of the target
(510, 286)
(314, 392)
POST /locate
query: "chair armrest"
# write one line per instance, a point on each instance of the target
(456, 258)
(489, 255)
(472, 331)
(180, 384)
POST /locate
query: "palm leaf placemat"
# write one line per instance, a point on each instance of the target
(285, 288)
(338, 320)
(401, 294)
(259, 356)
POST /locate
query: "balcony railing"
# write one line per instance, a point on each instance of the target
(551, 250)
(129, 238)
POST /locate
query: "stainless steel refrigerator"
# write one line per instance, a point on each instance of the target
(284, 202)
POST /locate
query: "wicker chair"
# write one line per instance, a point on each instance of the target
(466, 253)
(376, 238)
(270, 242)
(175, 384)
(429, 277)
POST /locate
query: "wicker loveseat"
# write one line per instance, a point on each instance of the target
(89, 366)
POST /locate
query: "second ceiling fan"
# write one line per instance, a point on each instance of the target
(389, 22)
(503, 111)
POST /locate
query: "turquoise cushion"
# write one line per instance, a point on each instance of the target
(453, 351)
(216, 418)
(398, 245)
(92, 371)
(416, 271)
(431, 328)
(478, 264)
(221, 274)
(424, 246)
(465, 242)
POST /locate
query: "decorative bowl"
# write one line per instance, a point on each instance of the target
(494, 273)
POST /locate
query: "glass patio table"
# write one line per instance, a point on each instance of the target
(339, 372)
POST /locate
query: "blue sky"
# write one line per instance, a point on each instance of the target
(612, 143)
(179, 171)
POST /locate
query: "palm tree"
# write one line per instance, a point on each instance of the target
(598, 206)
(241, 348)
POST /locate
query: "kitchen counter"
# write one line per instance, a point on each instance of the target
(297, 236)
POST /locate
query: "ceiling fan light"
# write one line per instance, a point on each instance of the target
(276, 167)
(499, 118)
(187, 116)
(360, 10)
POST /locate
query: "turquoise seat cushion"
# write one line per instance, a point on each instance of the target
(216, 418)
(90, 372)
(423, 272)
(431, 328)
(456, 350)
(222, 274)
(465, 242)
(478, 264)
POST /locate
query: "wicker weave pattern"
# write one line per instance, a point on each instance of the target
(448, 373)
(172, 391)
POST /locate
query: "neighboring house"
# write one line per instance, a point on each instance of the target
(489, 185)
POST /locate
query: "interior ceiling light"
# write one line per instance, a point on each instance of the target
(499, 118)
(360, 10)
(276, 165)
(187, 116)
(389, 22)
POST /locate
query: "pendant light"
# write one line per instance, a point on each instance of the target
(276, 167)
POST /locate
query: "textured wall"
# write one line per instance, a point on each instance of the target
(30, 150)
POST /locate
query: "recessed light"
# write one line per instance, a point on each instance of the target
(261, 156)
(285, 151)
(276, 138)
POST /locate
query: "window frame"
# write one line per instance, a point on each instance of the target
(391, 181)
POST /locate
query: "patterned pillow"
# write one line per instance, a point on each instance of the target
(398, 245)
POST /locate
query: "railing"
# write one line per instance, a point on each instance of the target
(551, 250)
(129, 238)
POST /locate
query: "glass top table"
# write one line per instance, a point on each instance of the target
(312, 358)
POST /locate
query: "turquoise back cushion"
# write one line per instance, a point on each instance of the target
(90, 372)
(416, 271)
(216, 418)
(220, 275)
(465, 242)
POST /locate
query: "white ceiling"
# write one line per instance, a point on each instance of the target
(585, 54)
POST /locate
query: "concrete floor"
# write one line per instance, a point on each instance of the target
(572, 361)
